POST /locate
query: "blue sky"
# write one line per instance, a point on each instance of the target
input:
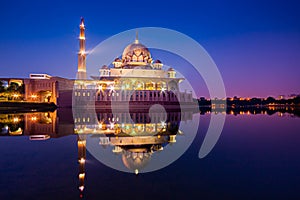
(255, 44)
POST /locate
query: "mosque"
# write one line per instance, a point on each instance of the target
(134, 77)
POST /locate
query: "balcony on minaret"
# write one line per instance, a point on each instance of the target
(82, 52)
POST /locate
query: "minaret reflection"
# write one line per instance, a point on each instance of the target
(81, 143)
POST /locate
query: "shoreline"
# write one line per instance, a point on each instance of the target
(16, 107)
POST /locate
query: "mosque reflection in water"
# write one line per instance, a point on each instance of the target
(133, 137)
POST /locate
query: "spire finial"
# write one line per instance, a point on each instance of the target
(136, 37)
(81, 22)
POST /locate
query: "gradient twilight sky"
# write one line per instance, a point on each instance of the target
(255, 44)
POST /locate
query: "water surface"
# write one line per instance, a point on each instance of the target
(257, 156)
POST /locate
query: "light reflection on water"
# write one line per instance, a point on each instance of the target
(256, 156)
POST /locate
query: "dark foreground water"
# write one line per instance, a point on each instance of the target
(256, 157)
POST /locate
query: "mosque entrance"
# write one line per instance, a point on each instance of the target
(45, 95)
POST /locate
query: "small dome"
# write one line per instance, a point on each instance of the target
(157, 61)
(135, 160)
(170, 69)
(118, 60)
(104, 67)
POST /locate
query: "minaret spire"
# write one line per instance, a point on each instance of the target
(81, 69)
(136, 37)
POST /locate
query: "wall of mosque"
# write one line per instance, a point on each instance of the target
(138, 73)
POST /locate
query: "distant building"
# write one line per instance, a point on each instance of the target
(44, 88)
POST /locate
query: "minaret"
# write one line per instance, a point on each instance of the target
(81, 71)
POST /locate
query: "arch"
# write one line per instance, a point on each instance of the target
(161, 85)
(134, 58)
(139, 85)
(44, 95)
(150, 85)
(140, 58)
(127, 84)
(172, 86)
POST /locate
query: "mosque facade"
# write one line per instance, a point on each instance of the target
(135, 76)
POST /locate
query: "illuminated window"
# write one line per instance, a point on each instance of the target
(140, 59)
(134, 58)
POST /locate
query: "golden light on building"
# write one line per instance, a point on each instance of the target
(112, 88)
(82, 52)
(112, 125)
(172, 138)
(33, 96)
(15, 95)
(16, 119)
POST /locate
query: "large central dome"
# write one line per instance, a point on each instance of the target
(136, 53)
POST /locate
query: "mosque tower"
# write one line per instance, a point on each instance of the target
(81, 71)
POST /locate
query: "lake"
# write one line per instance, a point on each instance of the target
(148, 156)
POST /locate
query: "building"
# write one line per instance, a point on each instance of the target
(39, 88)
(45, 88)
(134, 77)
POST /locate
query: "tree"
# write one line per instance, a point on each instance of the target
(2, 89)
(13, 87)
(270, 100)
